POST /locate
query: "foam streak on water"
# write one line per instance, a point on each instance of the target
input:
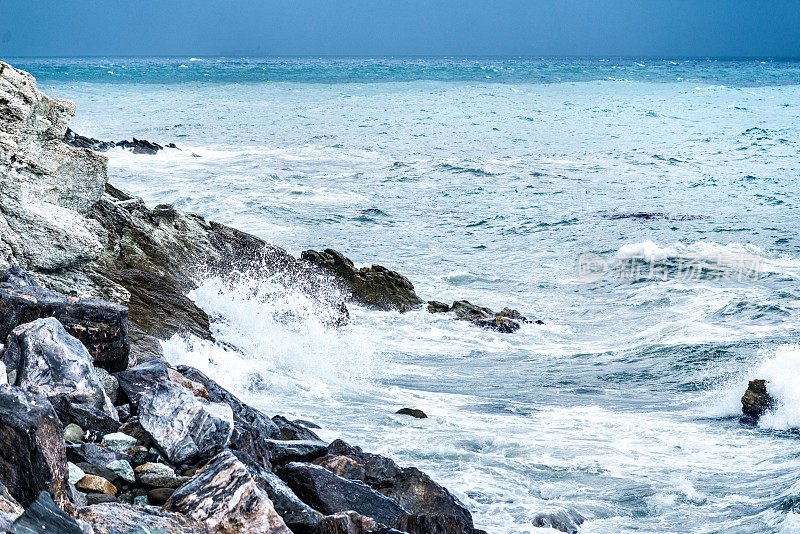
(488, 180)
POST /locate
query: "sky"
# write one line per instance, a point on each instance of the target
(665, 28)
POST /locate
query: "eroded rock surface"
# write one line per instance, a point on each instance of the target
(124, 519)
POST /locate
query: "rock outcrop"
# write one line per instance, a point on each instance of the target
(756, 401)
(374, 286)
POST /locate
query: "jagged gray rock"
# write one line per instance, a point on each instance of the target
(227, 500)
(44, 516)
(184, 427)
(53, 364)
(117, 518)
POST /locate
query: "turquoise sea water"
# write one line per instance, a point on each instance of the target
(507, 182)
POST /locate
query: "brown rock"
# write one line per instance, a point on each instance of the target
(159, 496)
(197, 388)
(96, 484)
(756, 401)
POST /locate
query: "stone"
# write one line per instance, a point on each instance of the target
(99, 471)
(75, 473)
(102, 327)
(96, 484)
(99, 498)
(10, 509)
(352, 523)
(143, 377)
(32, 458)
(756, 401)
(329, 493)
(154, 468)
(434, 306)
(298, 516)
(73, 433)
(374, 286)
(184, 427)
(44, 516)
(141, 499)
(160, 481)
(251, 427)
(125, 519)
(109, 383)
(78, 498)
(209, 499)
(568, 521)
(159, 496)
(80, 141)
(505, 322)
(197, 389)
(292, 430)
(124, 413)
(119, 442)
(3, 371)
(55, 365)
(413, 412)
(123, 469)
(93, 453)
(432, 508)
(467, 311)
(284, 451)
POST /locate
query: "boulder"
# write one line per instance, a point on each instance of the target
(93, 453)
(102, 327)
(159, 496)
(374, 286)
(283, 451)
(109, 382)
(298, 516)
(119, 442)
(32, 458)
(96, 484)
(413, 412)
(329, 493)
(433, 507)
(184, 427)
(434, 306)
(133, 428)
(225, 498)
(251, 427)
(292, 430)
(352, 523)
(143, 377)
(44, 516)
(123, 469)
(756, 401)
(124, 519)
(49, 362)
(568, 521)
(505, 322)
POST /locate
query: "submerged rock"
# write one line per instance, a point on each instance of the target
(413, 412)
(756, 401)
(506, 321)
(568, 521)
(51, 363)
(434, 306)
(185, 428)
(374, 286)
(102, 327)
(32, 456)
(44, 516)
(226, 499)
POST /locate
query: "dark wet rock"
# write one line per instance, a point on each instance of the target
(44, 516)
(139, 146)
(434, 306)
(352, 523)
(99, 498)
(81, 141)
(124, 411)
(16, 277)
(298, 516)
(98, 471)
(209, 499)
(125, 519)
(102, 327)
(134, 429)
(284, 451)
(329, 493)
(159, 496)
(435, 509)
(141, 378)
(506, 321)
(650, 216)
(32, 455)
(413, 412)
(184, 427)
(251, 427)
(293, 430)
(568, 521)
(158, 306)
(756, 401)
(49, 362)
(374, 286)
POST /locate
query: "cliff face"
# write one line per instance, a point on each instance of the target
(46, 186)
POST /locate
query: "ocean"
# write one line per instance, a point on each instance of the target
(646, 210)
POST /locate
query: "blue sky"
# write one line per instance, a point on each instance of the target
(675, 28)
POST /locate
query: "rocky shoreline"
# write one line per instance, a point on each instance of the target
(101, 434)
